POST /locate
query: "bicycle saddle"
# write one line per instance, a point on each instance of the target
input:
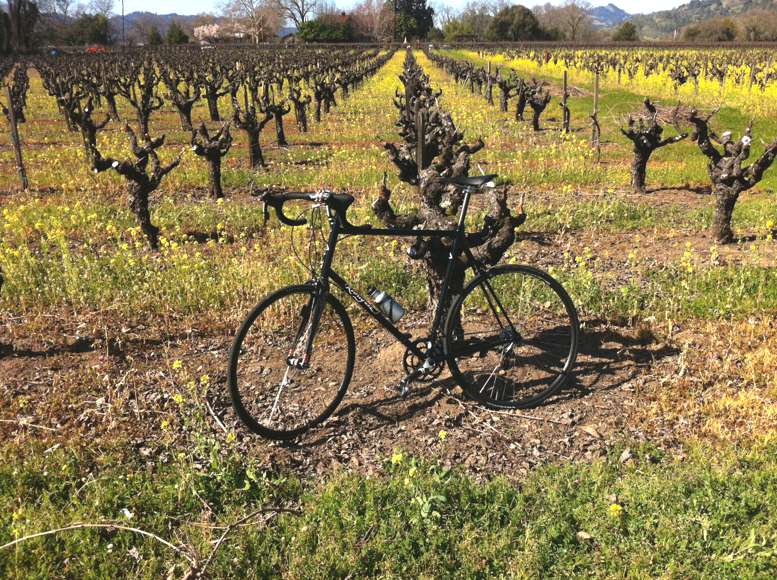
(472, 181)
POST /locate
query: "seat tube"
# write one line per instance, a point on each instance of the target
(457, 242)
(464, 208)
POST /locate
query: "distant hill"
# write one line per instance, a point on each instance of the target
(665, 22)
(145, 20)
(608, 16)
(140, 22)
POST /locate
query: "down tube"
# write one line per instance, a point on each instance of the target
(375, 313)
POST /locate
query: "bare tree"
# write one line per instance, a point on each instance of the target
(22, 17)
(104, 7)
(61, 8)
(326, 8)
(261, 18)
(645, 134)
(296, 11)
(577, 22)
(371, 20)
(570, 20)
(443, 14)
(725, 167)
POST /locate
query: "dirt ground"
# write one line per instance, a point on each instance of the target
(77, 387)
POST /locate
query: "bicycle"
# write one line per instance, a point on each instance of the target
(510, 339)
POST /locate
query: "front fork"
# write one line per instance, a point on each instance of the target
(311, 320)
(302, 349)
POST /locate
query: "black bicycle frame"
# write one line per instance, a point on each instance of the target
(327, 273)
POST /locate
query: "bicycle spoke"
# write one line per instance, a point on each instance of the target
(514, 338)
(291, 363)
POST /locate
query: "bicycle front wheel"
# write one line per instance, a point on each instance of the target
(287, 370)
(511, 338)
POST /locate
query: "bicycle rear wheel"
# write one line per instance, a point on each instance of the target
(511, 338)
(279, 389)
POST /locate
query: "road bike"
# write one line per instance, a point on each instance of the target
(509, 339)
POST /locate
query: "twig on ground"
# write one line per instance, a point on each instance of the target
(110, 526)
(529, 417)
(272, 511)
(215, 417)
(25, 424)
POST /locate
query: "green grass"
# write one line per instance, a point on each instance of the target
(673, 166)
(45, 266)
(713, 515)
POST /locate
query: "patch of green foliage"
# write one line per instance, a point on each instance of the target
(713, 515)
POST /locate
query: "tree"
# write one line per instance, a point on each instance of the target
(626, 32)
(212, 148)
(443, 14)
(712, 30)
(575, 19)
(61, 8)
(261, 18)
(473, 22)
(144, 173)
(154, 37)
(457, 30)
(327, 29)
(5, 33)
(55, 21)
(728, 177)
(89, 29)
(22, 17)
(176, 35)
(414, 19)
(646, 138)
(515, 23)
(759, 25)
(570, 21)
(297, 11)
(372, 20)
(428, 151)
(103, 7)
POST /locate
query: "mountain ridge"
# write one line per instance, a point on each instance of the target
(667, 22)
(608, 16)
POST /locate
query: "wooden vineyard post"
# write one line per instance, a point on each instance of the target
(595, 128)
(420, 124)
(17, 146)
(564, 107)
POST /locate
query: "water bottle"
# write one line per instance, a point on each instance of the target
(390, 307)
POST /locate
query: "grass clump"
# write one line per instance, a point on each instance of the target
(714, 514)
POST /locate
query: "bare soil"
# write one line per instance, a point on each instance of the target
(77, 387)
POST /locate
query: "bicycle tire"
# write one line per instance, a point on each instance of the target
(457, 345)
(239, 398)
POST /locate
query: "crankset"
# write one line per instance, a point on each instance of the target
(412, 363)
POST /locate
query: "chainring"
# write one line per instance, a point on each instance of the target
(411, 362)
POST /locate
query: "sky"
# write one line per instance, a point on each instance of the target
(200, 6)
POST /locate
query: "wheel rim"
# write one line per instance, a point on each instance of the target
(280, 387)
(513, 340)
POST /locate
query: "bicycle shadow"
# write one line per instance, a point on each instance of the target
(389, 410)
(608, 358)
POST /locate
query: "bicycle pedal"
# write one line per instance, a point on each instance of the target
(403, 388)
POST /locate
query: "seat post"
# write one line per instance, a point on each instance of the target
(464, 208)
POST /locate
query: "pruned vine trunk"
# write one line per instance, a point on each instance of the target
(431, 138)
